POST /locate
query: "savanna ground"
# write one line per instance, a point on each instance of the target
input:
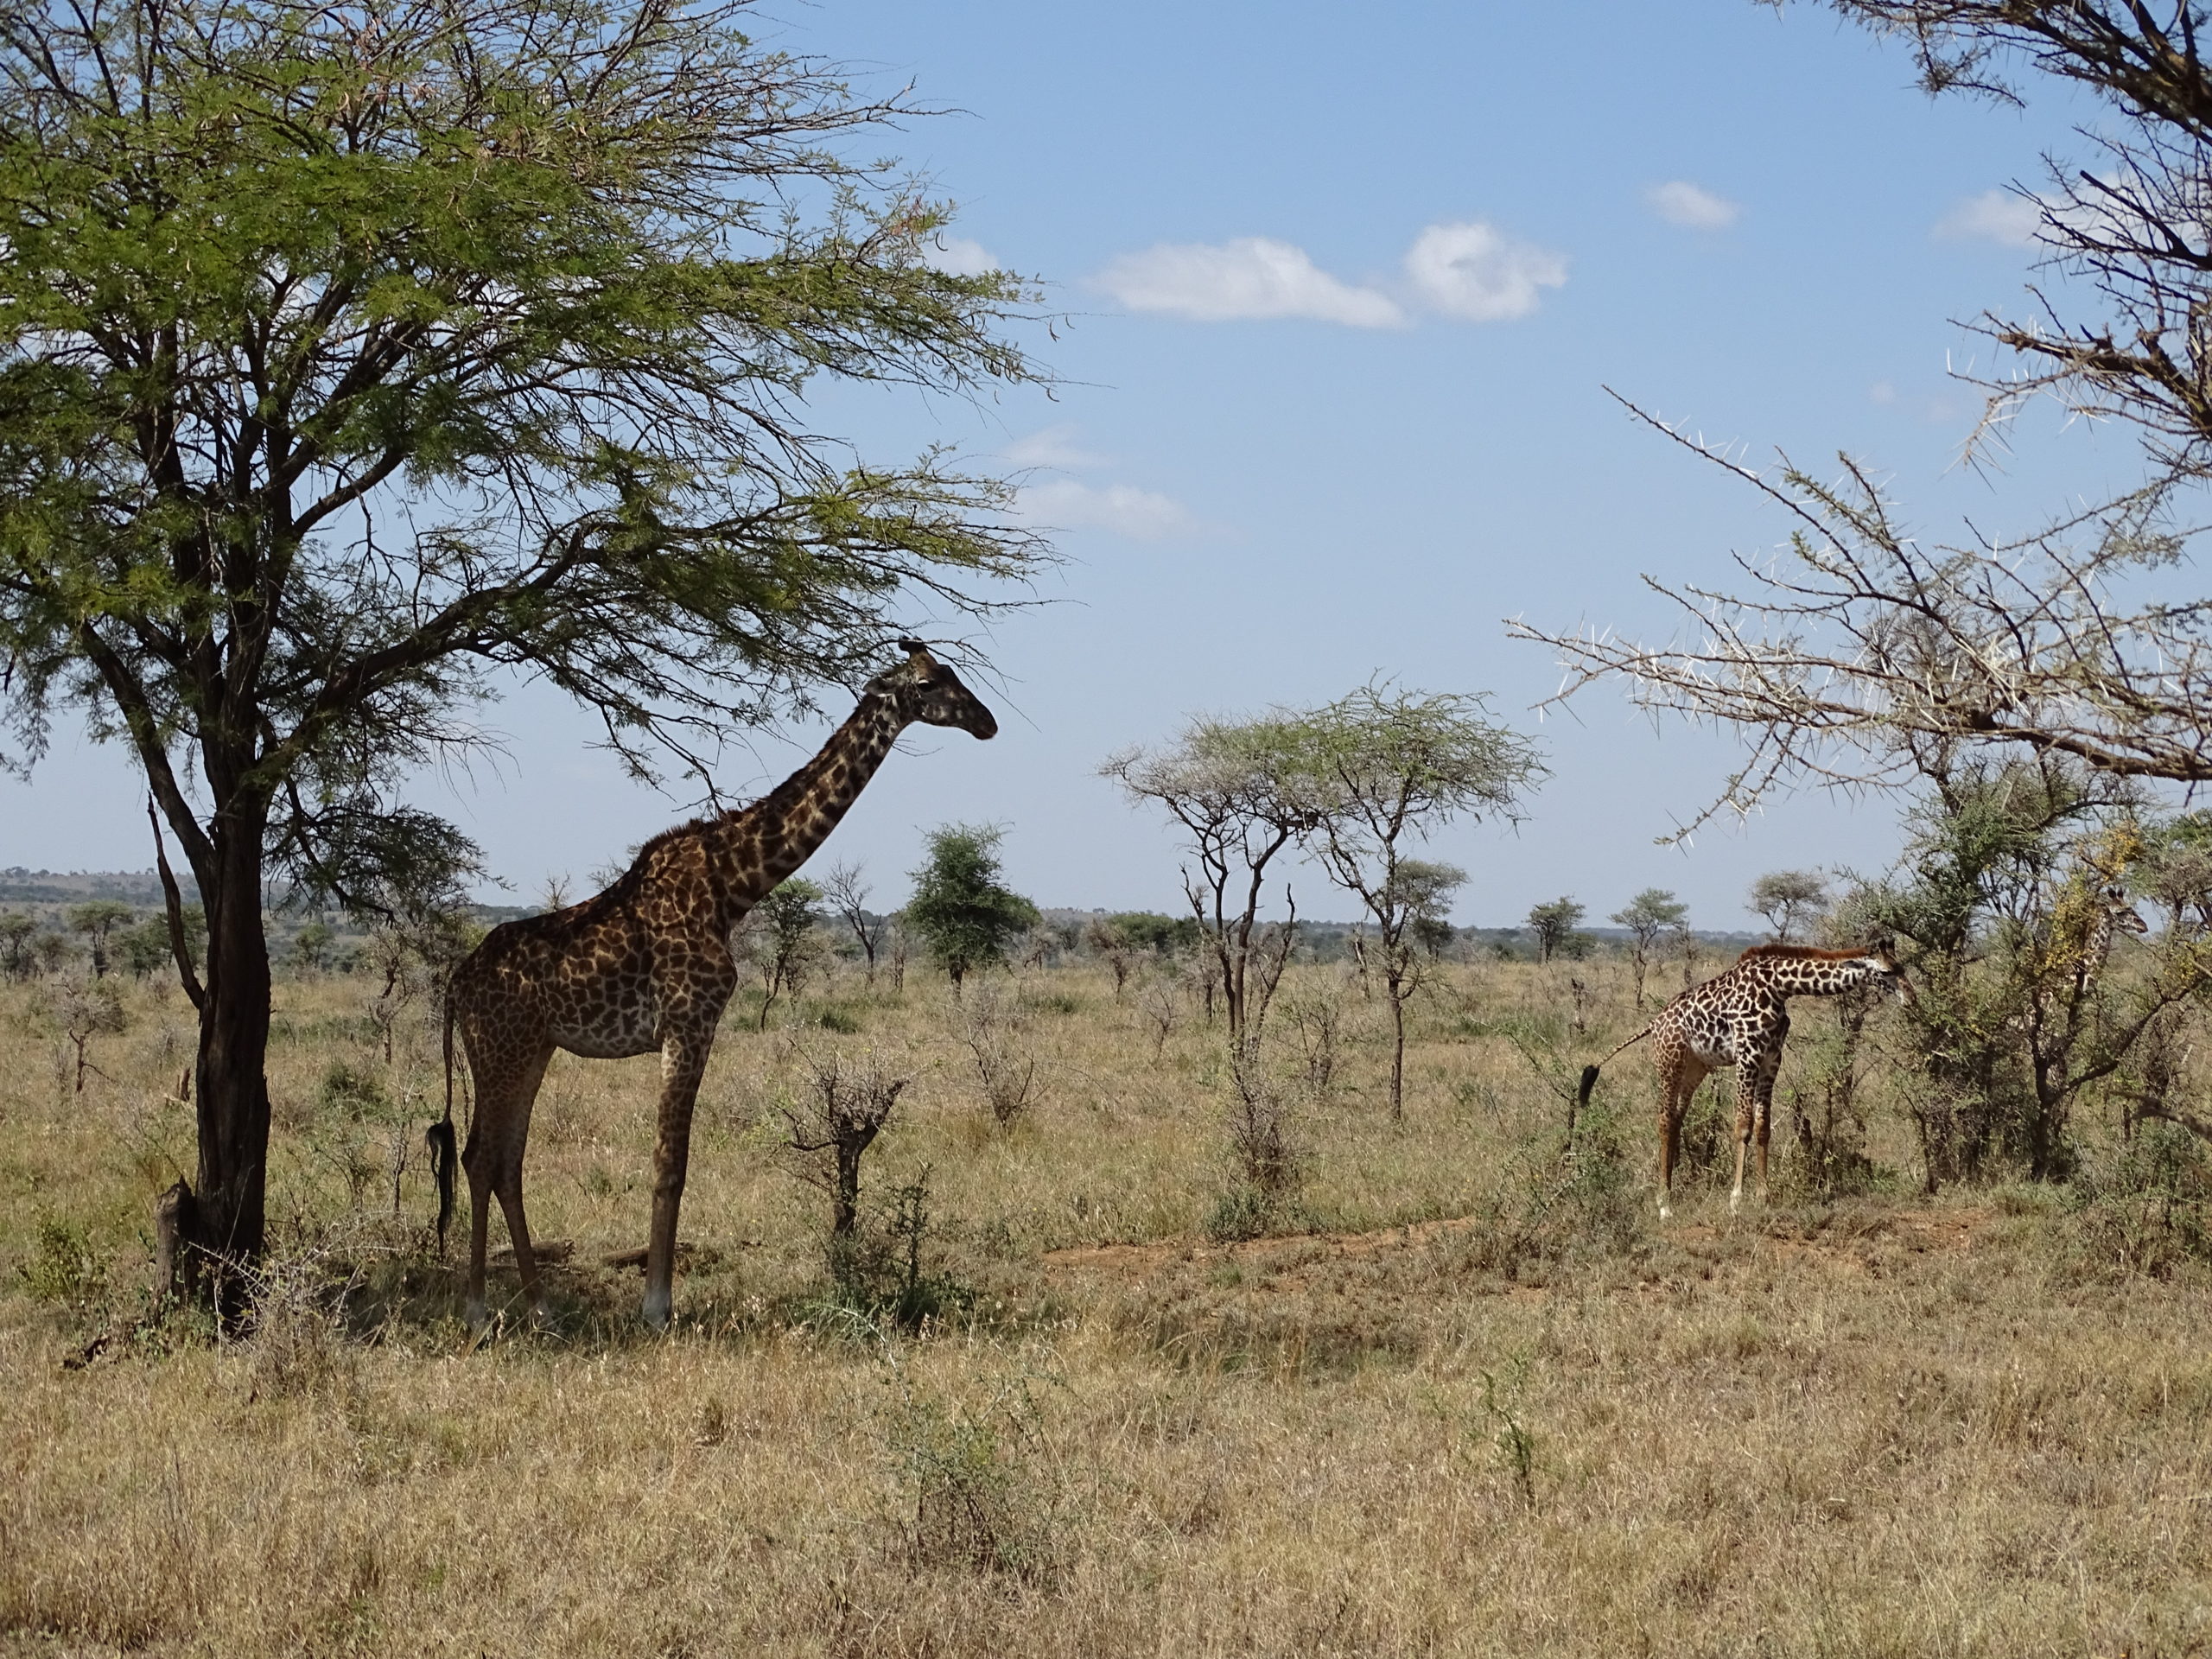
(1464, 1396)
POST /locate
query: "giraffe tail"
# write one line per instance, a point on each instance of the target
(440, 1137)
(1590, 1072)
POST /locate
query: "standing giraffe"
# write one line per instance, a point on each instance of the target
(646, 967)
(1741, 1018)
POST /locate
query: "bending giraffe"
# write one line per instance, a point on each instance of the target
(1741, 1018)
(646, 967)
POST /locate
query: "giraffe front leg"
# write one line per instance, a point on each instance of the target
(683, 1063)
(1746, 1117)
(1769, 1070)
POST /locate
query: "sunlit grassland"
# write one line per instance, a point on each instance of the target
(1468, 1396)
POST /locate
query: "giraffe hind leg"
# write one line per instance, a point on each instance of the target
(505, 1093)
(1678, 1082)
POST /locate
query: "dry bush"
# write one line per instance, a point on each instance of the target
(847, 1103)
(997, 1035)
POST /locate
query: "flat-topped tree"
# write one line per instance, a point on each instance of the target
(352, 355)
(1379, 770)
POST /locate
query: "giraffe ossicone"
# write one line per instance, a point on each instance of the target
(1740, 1018)
(646, 967)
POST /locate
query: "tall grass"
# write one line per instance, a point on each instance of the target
(1462, 1393)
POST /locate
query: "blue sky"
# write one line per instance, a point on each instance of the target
(1339, 294)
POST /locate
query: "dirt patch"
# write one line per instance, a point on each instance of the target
(1844, 1242)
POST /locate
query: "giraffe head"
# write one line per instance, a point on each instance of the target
(924, 690)
(1879, 960)
(2123, 914)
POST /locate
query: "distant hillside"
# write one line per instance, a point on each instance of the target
(20, 885)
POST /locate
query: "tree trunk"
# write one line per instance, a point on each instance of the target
(232, 1087)
(1397, 990)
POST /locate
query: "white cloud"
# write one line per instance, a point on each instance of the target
(1253, 277)
(1051, 446)
(1679, 202)
(1069, 504)
(1882, 391)
(1992, 216)
(956, 256)
(1476, 272)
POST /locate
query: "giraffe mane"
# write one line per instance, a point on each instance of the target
(1799, 953)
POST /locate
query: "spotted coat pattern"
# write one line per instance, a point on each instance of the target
(648, 965)
(1741, 1018)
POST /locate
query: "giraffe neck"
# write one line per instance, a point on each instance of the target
(1799, 976)
(757, 846)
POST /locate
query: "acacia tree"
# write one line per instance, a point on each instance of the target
(1864, 655)
(846, 893)
(1232, 786)
(1651, 913)
(1379, 770)
(966, 915)
(95, 919)
(779, 939)
(1554, 924)
(353, 355)
(1789, 900)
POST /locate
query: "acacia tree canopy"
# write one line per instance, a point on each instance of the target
(353, 356)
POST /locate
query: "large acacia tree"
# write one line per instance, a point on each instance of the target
(353, 356)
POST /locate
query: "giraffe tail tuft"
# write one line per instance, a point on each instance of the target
(1589, 1082)
(439, 1137)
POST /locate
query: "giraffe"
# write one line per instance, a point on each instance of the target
(1741, 1018)
(646, 967)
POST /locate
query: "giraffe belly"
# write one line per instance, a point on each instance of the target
(605, 1045)
(602, 1030)
(1714, 1053)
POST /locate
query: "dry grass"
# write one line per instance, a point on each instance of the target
(1471, 1398)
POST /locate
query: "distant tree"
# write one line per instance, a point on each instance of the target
(311, 946)
(1434, 935)
(898, 946)
(965, 915)
(779, 938)
(1553, 925)
(1647, 916)
(1130, 938)
(86, 1008)
(1228, 785)
(144, 949)
(1379, 770)
(96, 920)
(846, 894)
(51, 950)
(16, 956)
(1791, 901)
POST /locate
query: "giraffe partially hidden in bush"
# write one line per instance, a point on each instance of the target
(1741, 1018)
(647, 967)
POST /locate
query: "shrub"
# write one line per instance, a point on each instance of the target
(976, 1485)
(2147, 1209)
